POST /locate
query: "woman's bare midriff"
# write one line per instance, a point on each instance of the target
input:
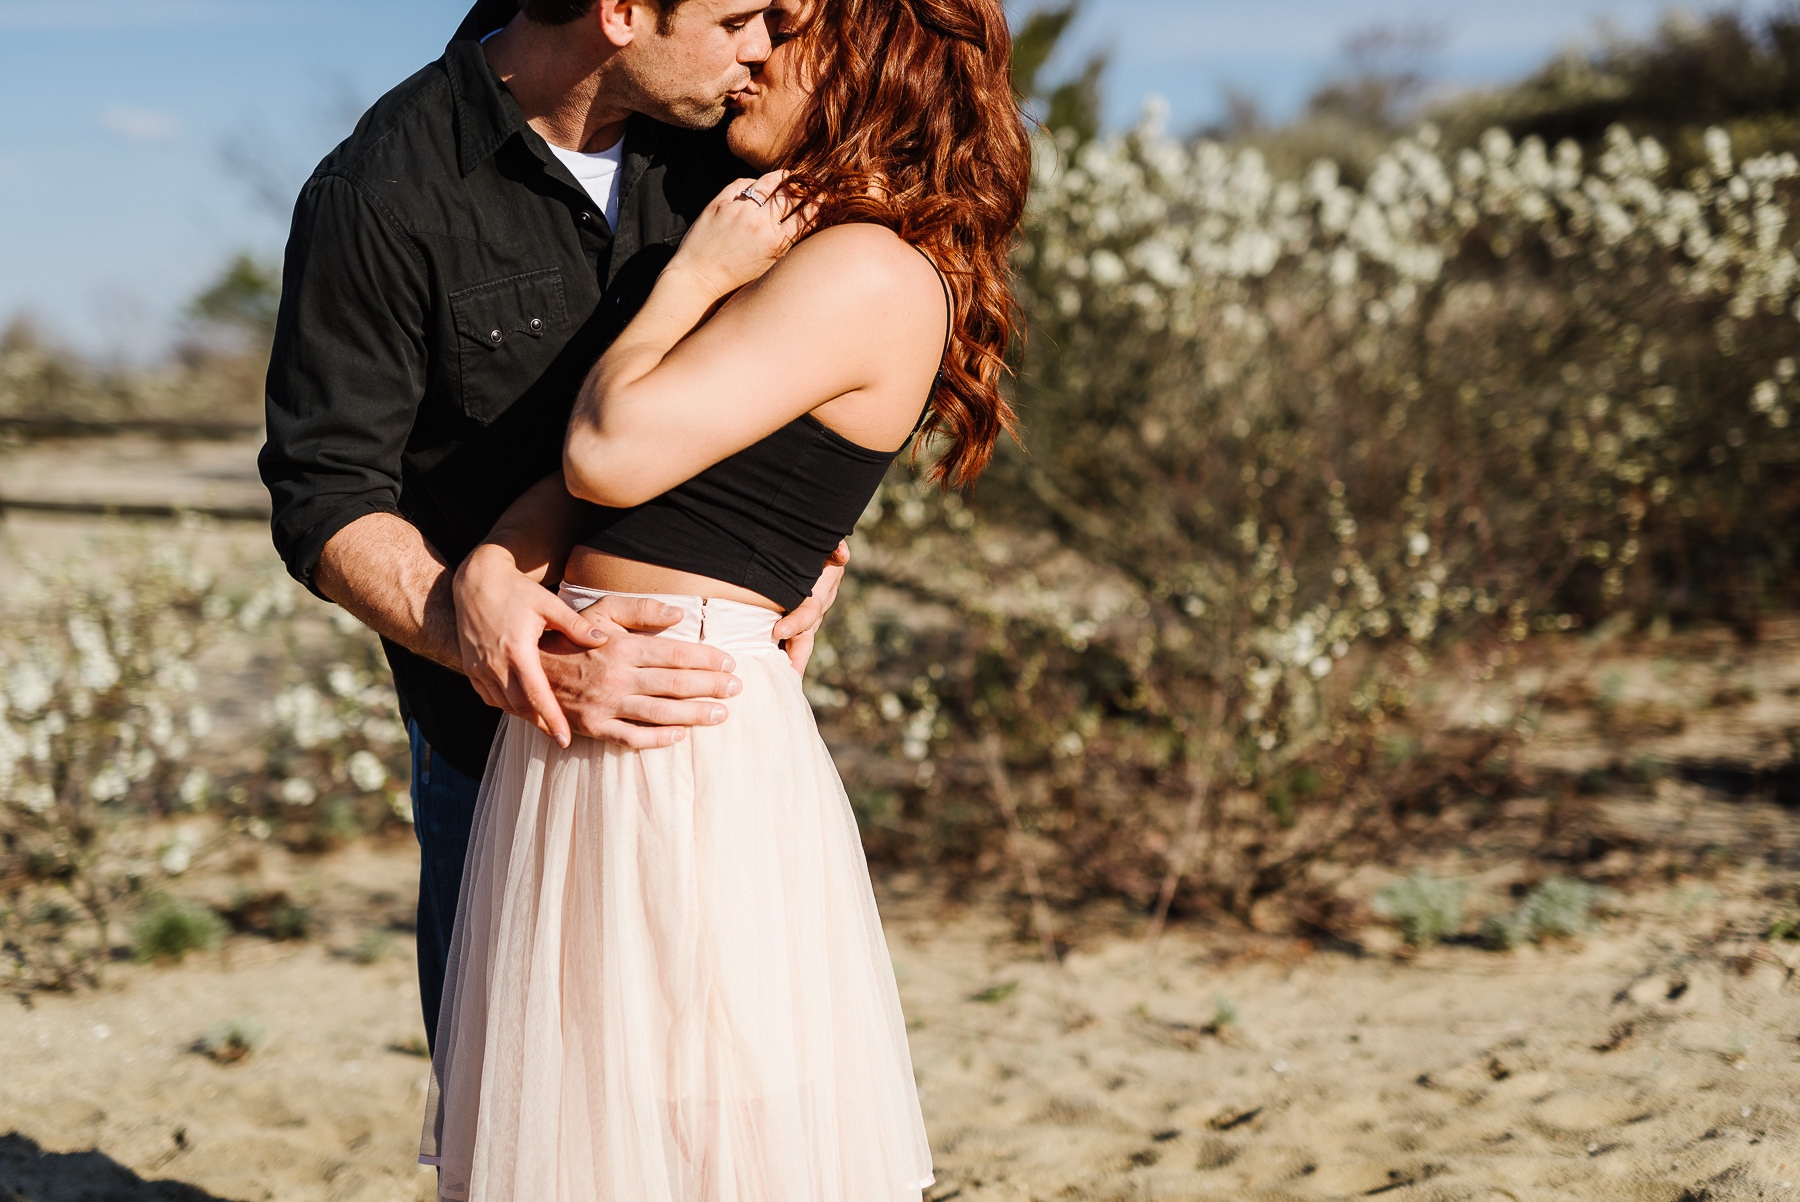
(589, 568)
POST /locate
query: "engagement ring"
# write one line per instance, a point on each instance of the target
(751, 193)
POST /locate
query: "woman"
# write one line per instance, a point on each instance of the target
(668, 981)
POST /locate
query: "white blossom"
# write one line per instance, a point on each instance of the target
(195, 787)
(13, 748)
(305, 713)
(108, 784)
(178, 854)
(37, 798)
(366, 771)
(96, 668)
(342, 680)
(29, 687)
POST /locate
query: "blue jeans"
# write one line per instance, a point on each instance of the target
(443, 815)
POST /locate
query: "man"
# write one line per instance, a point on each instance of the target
(455, 267)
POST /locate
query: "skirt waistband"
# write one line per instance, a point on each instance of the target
(731, 625)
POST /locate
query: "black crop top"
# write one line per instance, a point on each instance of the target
(766, 518)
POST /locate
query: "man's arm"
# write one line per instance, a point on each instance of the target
(346, 378)
(381, 569)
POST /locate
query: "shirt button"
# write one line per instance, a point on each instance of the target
(537, 325)
(496, 337)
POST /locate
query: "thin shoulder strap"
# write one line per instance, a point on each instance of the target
(949, 308)
(949, 333)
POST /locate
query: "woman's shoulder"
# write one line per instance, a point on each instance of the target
(871, 259)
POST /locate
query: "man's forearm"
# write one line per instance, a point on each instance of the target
(381, 569)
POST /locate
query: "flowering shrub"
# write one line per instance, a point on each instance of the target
(102, 709)
(337, 765)
(106, 704)
(1287, 441)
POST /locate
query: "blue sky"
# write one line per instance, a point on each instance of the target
(116, 202)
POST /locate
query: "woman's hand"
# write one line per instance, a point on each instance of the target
(800, 628)
(501, 616)
(737, 240)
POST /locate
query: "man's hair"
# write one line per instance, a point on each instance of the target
(562, 12)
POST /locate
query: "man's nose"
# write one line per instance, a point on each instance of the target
(756, 48)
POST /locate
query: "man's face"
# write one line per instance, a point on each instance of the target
(683, 76)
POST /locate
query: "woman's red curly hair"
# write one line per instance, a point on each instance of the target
(914, 125)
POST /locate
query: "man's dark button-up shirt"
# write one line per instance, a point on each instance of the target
(447, 287)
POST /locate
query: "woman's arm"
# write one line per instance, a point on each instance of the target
(537, 531)
(852, 308)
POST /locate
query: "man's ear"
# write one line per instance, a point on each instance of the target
(623, 20)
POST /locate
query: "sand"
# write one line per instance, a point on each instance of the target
(1631, 1066)
(1653, 1060)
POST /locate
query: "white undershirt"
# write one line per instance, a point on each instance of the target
(598, 175)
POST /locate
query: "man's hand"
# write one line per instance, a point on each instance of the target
(799, 629)
(567, 672)
(636, 690)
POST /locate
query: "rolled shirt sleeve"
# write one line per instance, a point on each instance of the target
(347, 373)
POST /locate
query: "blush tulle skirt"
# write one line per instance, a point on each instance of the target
(668, 981)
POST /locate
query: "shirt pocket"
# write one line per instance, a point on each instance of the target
(508, 334)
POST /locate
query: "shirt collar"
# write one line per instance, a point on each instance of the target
(486, 113)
